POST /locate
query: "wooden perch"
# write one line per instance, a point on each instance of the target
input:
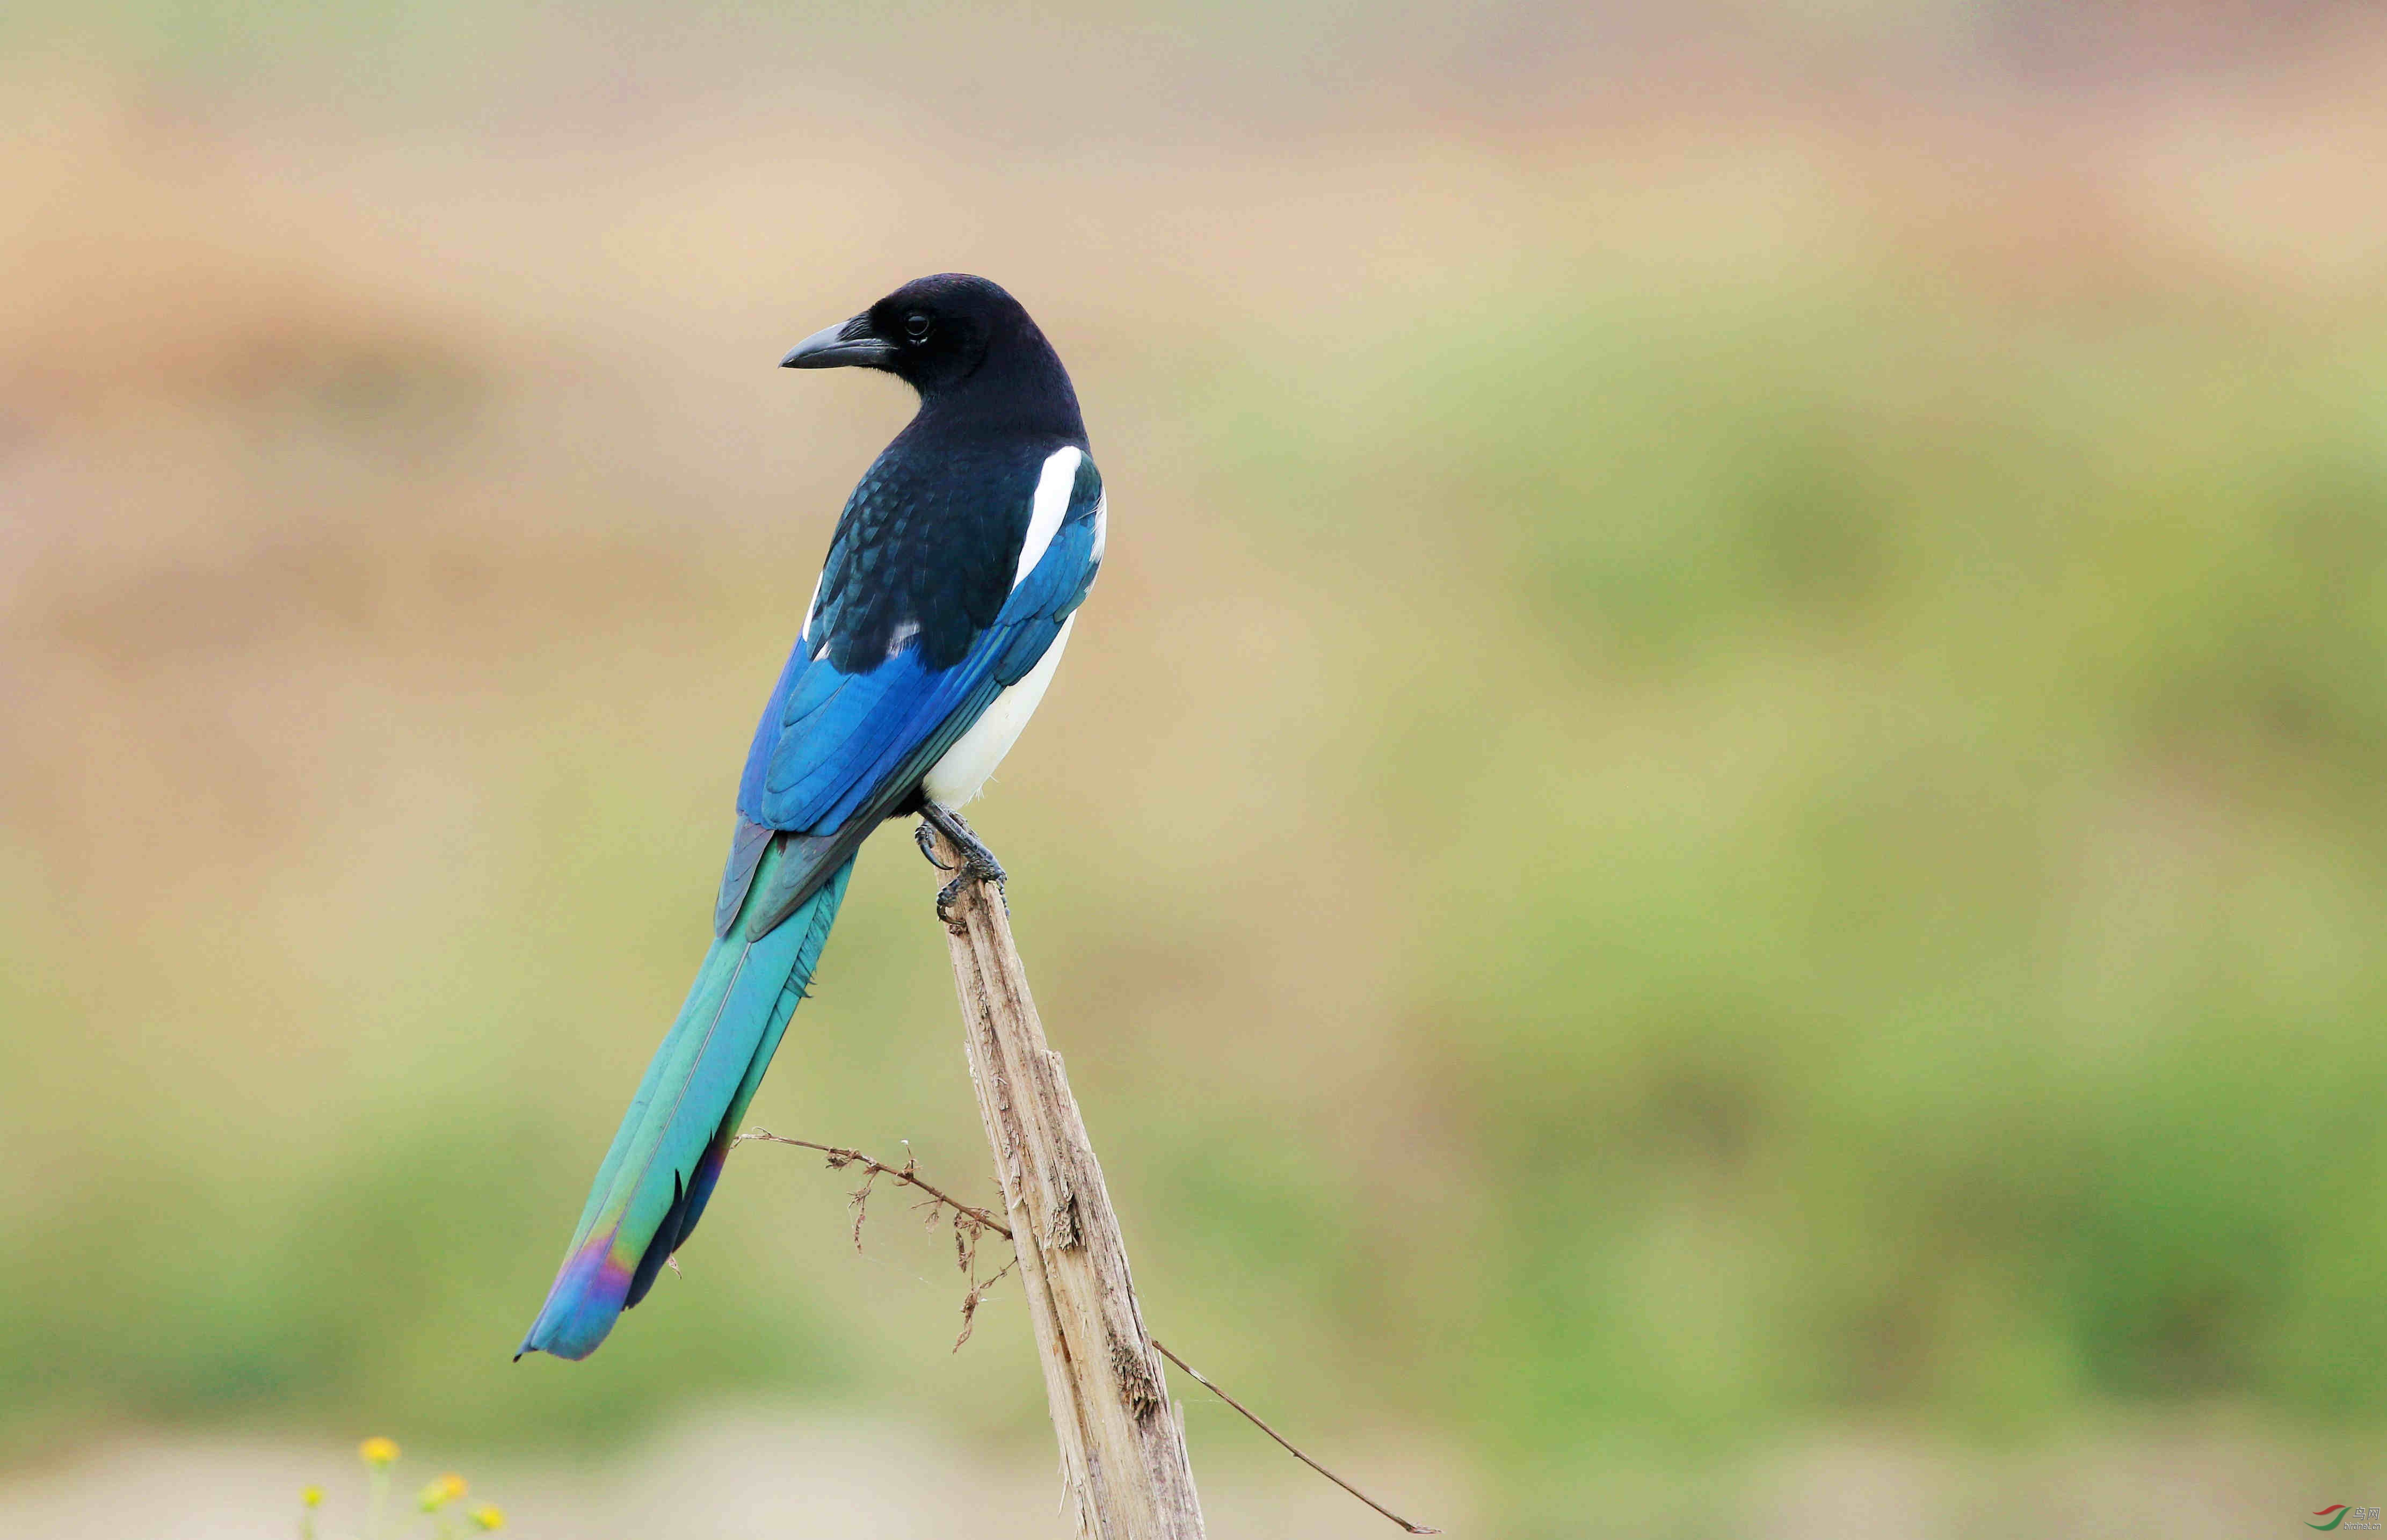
(1122, 1444)
(968, 1223)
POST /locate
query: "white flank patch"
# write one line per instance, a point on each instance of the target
(1052, 502)
(959, 776)
(1101, 525)
(903, 633)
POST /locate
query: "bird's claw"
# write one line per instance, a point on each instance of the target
(973, 869)
(978, 864)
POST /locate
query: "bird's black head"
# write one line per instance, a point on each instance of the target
(957, 340)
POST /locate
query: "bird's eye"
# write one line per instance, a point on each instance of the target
(916, 327)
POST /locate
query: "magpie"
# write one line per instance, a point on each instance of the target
(950, 588)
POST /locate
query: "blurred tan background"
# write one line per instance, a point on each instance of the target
(1711, 855)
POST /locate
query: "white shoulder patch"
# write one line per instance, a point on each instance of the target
(804, 634)
(1052, 502)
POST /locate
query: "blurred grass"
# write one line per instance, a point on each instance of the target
(1670, 833)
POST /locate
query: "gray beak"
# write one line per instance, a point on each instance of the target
(849, 343)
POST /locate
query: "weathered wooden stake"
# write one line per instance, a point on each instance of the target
(1122, 1442)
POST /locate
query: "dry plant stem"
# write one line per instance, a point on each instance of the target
(840, 1157)
(1123, 1461)
(1286, 1443)
(908, 1173)
(968, 1223)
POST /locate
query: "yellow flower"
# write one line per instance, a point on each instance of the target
(311, 1496)
(379, 1453)
(488, 1518)
(440, 1494)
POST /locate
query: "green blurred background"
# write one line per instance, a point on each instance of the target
(1713, 846)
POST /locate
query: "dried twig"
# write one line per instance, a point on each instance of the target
(967, 1222)
(1413, 1528)
(907, 1173)
(970, 1300)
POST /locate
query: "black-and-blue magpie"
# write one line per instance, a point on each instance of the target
(948, 595)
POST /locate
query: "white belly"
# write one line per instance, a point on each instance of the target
(958, 777)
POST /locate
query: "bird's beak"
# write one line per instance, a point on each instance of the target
(846, 343)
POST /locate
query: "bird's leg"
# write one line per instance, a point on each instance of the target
(977, 862)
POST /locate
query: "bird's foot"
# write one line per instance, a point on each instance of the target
(977, 862)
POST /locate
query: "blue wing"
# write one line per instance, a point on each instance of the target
(839, 749)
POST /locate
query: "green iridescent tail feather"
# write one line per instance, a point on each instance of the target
(656, 1179)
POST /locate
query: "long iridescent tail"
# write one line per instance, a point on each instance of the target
(652, 1187)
